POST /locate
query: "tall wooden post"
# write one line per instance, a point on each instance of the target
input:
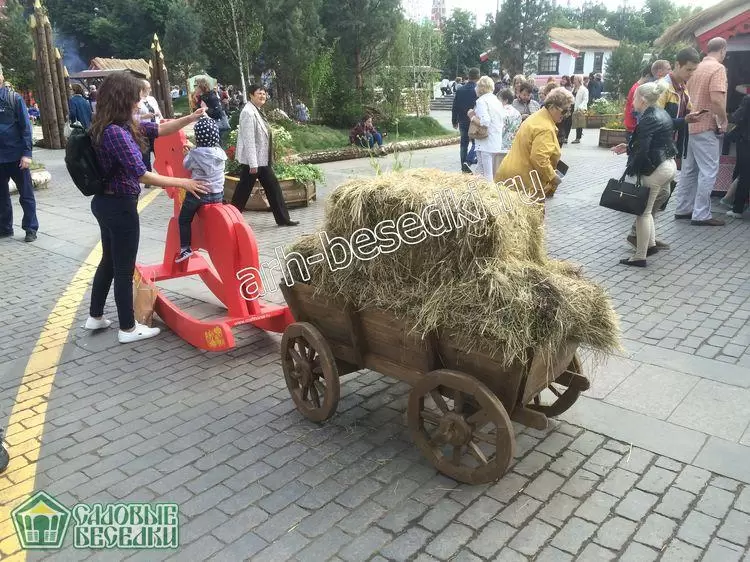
(62, 73)
(50, 79)
(44, 81)
(160, 79)
(40, 91)
(55, 79)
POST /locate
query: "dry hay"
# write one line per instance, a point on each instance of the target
(489, 285)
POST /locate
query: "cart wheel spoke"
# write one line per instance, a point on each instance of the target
(457, 454)
(477, 453)
(562, 395)
(311, 354)
(298, 361)
(484, 437)
(458, 402)
(439, 401)
(479, 419)
(430, 417)
(314, 396)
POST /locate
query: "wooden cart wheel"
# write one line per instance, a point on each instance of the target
(560, 395)
(474, 446)
(310, 371)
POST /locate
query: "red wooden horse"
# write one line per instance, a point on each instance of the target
(222, 232)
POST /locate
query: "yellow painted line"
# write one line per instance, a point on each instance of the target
(26, 423)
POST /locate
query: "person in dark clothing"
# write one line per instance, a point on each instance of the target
(651, 153)
(79, 108)
(214, 109)
(466, 99)
(741, 134)
(595, 87)
(15, 159)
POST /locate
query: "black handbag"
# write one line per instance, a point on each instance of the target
(625, 197)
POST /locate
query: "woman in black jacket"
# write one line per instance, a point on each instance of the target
(651, 153)
(214, 109)
(741, 135)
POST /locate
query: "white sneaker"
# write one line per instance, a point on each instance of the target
(723, 201)
(734, 215)
(94, 324)
(140, 332)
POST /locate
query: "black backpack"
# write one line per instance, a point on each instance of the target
(82, 164)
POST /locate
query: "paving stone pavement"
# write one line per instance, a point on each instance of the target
(218, 433)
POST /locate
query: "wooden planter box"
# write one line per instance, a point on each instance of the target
(611, 137)
(296, 194)
(596, 121)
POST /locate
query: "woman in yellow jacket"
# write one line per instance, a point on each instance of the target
(535, 153)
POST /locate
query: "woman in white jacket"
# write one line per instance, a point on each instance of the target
(581, 94)
(255, 155)
(489, 113)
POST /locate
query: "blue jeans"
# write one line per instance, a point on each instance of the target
(464, 129)
(121, 230)
(22, 179)
(190, 206)
(371, 139)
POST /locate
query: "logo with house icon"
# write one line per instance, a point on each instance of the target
(41, 522)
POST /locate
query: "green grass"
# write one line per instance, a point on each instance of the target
(410, 127)
(307, 138)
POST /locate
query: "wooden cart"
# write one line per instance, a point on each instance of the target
(461, 403)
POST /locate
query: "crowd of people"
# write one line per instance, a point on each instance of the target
(675, 121)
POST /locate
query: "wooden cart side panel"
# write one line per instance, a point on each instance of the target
(542, 374)
(326, 315)
(505, 383)
(388, 337)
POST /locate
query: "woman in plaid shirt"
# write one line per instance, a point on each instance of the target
(119, 141)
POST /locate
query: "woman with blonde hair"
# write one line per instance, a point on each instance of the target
(533, 158)
(651, 153)
(581, 105)
(488, 112)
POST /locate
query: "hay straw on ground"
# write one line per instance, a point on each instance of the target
(488, 286)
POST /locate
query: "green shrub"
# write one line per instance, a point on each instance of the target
(605, 107)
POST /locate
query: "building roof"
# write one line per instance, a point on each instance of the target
(688, 29)
(581, 39)
(136, 65)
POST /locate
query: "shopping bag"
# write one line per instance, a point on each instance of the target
(477, 131)
(625, 197)
(144, 298)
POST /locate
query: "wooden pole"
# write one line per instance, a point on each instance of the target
(61, 74)
(168, 109)
(40, 91)
(44, 81)
(55, 81)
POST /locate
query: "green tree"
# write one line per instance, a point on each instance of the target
(365, 29)
(319, 78)
(111, 28)
(624, 67)
(464, 43)
(232, 27)
(16, 46)
(182, 43)
(521, 32)
(293, 38)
